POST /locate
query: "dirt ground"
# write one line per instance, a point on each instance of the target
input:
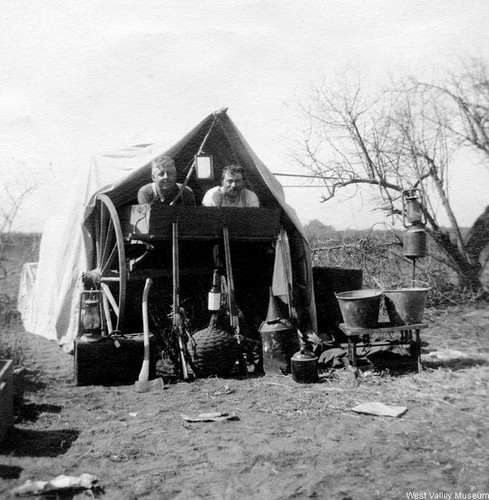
(291, 440)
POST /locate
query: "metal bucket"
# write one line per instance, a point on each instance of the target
(405, 306)
(360, 308)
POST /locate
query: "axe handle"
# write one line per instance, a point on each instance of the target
(144, 373)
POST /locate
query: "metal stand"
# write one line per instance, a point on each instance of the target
(406, 334)
(414, 268)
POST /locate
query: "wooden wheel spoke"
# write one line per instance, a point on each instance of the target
(110, 260)
(112, 301)
(100, 234)
(107, 241)
(97, 239)
(108, 319)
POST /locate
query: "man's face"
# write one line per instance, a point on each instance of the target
(165, 177)
(232, 185)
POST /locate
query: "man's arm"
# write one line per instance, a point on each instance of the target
(145, 194)
(251, 199)
(188, 196)
(211, 198)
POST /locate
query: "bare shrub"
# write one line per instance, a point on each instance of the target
(379, 255)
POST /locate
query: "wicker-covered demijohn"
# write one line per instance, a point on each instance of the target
(213, 350)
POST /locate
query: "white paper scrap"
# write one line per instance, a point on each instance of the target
(380, 409)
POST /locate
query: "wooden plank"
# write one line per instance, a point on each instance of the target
(154, 222)
(382, 328)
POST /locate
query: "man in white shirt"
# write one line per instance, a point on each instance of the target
(231, 192)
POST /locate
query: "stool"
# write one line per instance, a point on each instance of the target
(400, 335)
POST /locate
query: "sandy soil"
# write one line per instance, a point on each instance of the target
(291, 440)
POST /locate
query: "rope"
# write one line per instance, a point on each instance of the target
(192, 168)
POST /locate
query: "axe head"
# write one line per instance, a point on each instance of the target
(149, 385)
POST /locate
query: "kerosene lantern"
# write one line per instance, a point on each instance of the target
(91, 315)
(415, 238)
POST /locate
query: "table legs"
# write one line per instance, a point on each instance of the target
(415, 350)
(417, 347)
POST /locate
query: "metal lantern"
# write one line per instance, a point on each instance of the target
(91, 315)
(415, 238)
(412, 212)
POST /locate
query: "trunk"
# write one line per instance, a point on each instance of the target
(467, 272)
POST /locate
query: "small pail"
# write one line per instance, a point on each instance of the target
(405, 306)
(360, 308)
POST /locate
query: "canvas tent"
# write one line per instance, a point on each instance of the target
(66, 246)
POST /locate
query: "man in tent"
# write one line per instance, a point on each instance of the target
(164, 186)
(231, 192)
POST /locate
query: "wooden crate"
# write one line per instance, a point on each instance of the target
(6, 396)
(112, 361)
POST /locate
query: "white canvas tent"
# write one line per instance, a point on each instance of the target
(52, 302)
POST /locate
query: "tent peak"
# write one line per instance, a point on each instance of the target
(221, 111)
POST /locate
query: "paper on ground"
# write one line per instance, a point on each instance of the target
(59, 483)
(376, 408)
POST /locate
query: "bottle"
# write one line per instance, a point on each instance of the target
(214, 302)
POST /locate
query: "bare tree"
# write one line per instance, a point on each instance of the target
(400, 139)
(463, 98)
(18, 182)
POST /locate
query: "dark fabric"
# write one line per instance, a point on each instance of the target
(337, 357)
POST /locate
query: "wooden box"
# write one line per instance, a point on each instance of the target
(154, 222)
(112, 361)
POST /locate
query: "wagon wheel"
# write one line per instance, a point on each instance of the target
(110, 260)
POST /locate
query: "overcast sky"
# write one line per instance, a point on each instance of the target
(82, 77)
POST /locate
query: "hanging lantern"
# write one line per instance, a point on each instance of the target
(203, 166)
(412, 212)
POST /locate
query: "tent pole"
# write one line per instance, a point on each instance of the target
(192, 167)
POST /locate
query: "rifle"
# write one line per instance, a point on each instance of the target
(177, 319)
(286, 260)
(233, 312)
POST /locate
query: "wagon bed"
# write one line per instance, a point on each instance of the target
(154, 222)
(134, 242)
